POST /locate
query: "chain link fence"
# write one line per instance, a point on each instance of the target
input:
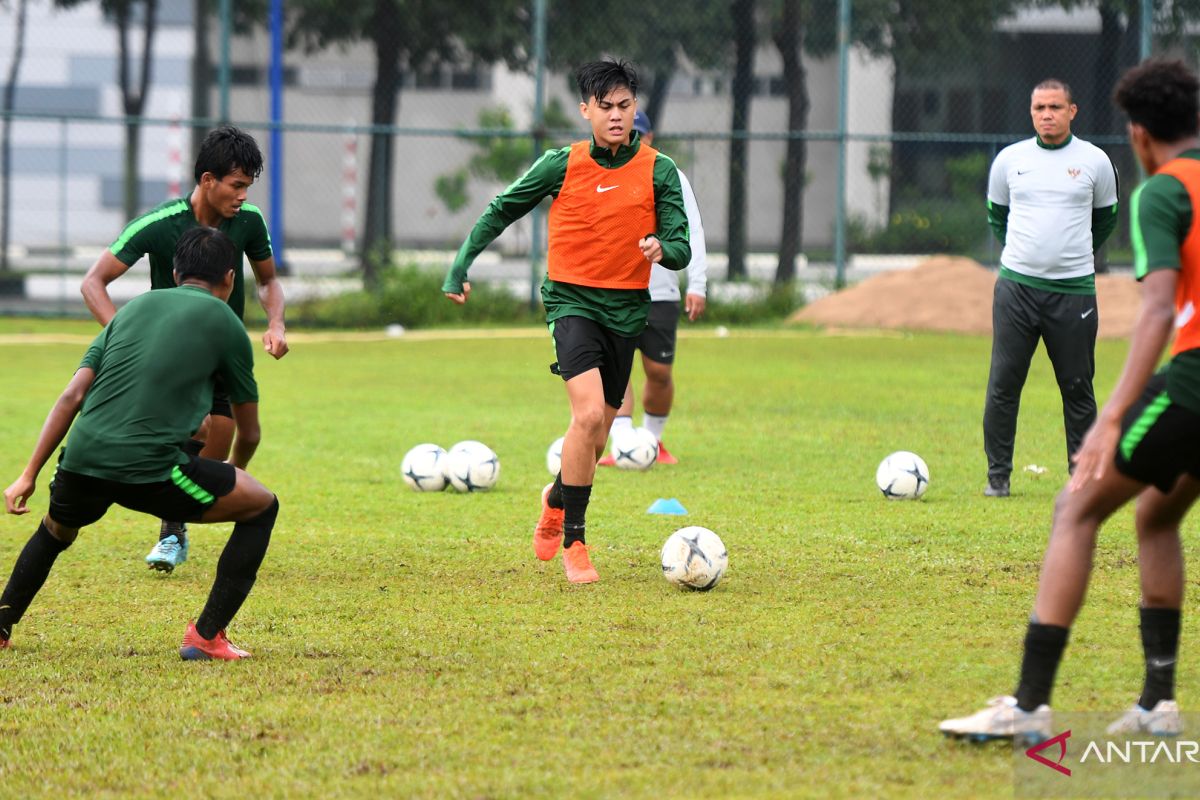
(398, 122)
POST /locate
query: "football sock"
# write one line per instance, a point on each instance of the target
(619, 422)
(575, 503)
(1160, 643)
(554, 498)
(237, 570)
(1044, 645)
(29, 573)
(655, 424)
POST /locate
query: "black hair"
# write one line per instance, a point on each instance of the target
(205, 254)
(1055, 83)
(225, 149)
(1161, 95)
(599, 79)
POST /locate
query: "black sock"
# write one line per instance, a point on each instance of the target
(575, 503)
(1160, 644)
(237, 570)
(1044, 645)
(555, 499)
(29, 573)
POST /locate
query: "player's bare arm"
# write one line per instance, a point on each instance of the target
(694, 305)
(95, 286)
(1150, 334)
(270, 295)
(249, 433)
(54, 430)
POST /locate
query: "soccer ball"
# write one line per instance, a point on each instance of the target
(423, 468)
(634, 448)
(694, 558)
(902, 476)
(554, 457)
(472, 467)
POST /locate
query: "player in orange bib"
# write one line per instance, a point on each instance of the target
(1146, 441)
(618, 208)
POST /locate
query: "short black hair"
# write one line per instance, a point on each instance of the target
(599, 79)
(1055, 83)
(225, 149)
(205, 254)
(1163, 96)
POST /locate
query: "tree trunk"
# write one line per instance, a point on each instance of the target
(385, 101)
(134, 100)
(789, 40)
(742, 90)
(201, 79)
(10, 96)
(660, 90)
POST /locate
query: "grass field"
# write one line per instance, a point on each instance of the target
(410, 645)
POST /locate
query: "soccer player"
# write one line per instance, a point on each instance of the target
(1052, 201)
(657, 342)
(142, 388)
(1145, 442)
(618, 208)
(229, 161)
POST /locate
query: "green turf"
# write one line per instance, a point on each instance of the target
(410, 645)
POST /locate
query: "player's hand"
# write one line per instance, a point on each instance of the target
(694, 305)
(1095, 455)
(460, 298)
(17, 495)
(651, 249)
(275, 341)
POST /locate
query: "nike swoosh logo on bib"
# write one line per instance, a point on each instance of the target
(602, 189)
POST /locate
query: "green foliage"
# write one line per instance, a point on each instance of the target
(409, 645)
(925, 226)
(968, 176)
(451, 189)
(776, 303)
(412, 297)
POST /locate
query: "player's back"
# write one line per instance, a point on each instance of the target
(155, 364)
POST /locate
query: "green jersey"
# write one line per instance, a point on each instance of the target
(158, 230)
(155, 364)
(1159, 220)
(623, 311)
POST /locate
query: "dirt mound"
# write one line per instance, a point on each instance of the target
(947, 293)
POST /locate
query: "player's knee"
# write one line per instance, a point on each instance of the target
(1077, 388)
(659, 375)
(591, 422)
(66, 536)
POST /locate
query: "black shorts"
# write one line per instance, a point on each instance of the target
(79, 500)
(657, 342)
(1160, 440)
(221, 407)
(581, 344)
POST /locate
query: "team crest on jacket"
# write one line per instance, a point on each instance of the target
(1074, 171)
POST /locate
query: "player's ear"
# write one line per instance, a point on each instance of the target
(175, 275)
(583, 107)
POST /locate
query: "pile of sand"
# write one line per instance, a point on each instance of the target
(946, 293)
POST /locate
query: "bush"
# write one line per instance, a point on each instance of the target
(412, 297)
(929, 226)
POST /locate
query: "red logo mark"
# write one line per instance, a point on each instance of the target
(1035, 753)
(1074, 171)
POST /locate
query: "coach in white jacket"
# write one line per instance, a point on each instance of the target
(1052, 201)
(657, 342)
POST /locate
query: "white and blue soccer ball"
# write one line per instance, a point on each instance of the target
(554, 457)
(902, 476)
(634, 448)
(694, 558)
(472, 466)
(424, 468)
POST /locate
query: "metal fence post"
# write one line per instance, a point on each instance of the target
(539, 57)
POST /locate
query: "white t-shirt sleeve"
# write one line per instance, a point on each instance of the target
(697, 268)
(998, 180)
(1104, 194)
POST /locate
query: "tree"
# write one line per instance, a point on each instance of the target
(408, 37)
(134, 89)
(788, 37)
(745, 40)
(10, 92)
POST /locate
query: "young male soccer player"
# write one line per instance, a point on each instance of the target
(1145, 442)
(617, 209)
(229, 161)
(657, 342)
(144, 385)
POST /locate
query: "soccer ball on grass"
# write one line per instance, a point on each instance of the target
(471, 466)
(634, 448)
(694, 558)
(902, 476)
(423, 468)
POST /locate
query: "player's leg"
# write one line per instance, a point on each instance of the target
(1014, 339)
(622, 419)
(75, 502)
(658, 356)
(1069, 327)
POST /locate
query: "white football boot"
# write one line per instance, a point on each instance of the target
(1002, 720)
(1162, 720)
